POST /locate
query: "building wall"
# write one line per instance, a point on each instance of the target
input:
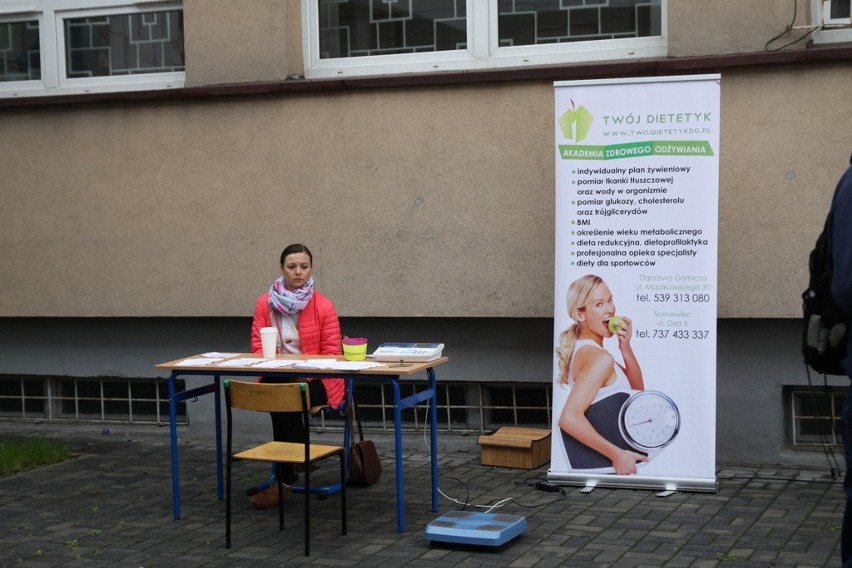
(427, 201)
(228, 41)
(715, 28)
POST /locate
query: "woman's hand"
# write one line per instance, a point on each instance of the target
(631, 365)
(624, 333)
(624, 462)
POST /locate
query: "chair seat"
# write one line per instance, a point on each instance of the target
(287, 452)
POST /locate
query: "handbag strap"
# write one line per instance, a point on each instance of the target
(354, 412)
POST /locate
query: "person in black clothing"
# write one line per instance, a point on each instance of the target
(841, 291)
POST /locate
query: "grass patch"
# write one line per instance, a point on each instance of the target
(21, 454)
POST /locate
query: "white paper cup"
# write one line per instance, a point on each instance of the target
(269, 340)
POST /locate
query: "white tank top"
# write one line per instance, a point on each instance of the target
(621, 383)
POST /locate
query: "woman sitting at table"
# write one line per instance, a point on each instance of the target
(307, 323)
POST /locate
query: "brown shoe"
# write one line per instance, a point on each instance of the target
(268, 498)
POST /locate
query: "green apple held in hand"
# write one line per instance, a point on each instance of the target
(615, 323)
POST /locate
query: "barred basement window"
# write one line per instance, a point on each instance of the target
(815, 415)
(462, 407)
(98, 400)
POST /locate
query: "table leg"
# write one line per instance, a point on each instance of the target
(174, 445)
(397, 438)
(220, 483)
(174, 398)
(433, 436)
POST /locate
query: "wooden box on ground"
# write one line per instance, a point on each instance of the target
(510, 446)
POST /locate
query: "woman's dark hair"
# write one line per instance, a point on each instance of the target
(296, 248)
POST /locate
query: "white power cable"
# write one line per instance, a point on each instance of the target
(488, 508)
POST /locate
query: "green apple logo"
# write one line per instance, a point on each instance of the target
(576, 122)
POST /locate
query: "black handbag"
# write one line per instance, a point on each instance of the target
(365, 468)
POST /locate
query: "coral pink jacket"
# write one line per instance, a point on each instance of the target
(319, 334)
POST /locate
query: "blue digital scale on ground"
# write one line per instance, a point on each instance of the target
(476, 529)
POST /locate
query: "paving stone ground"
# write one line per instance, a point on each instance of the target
(111, 506)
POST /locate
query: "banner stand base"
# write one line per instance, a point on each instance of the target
(589, 481)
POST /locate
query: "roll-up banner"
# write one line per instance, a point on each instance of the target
(634, 374)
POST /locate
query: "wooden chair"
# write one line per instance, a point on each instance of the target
(279, 397)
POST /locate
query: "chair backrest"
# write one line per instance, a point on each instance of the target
(267, 397)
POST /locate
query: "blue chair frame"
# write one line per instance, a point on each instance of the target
(321, 491)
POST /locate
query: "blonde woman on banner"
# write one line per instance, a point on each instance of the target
(597, 384)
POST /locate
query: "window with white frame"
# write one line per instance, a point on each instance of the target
(49, 48)
(373, 37)
(836, 12)
(833, 19)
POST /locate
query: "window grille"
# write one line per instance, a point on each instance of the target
(369, 37)
(127, 44)
(358, 28)
(20, 58)
(462, 407)
(87, 400)
(815, 416)
(51, 47)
